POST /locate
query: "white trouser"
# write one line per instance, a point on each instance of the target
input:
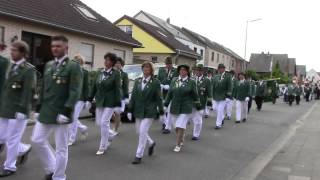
(220, 112)
(168, 120)
(242, 110)
(207, 111)
(53, 162)
(229, 106)
(214, 105)
(76, 123)
(142, 129)
(11, 132)
(197, 122)
(103, 117)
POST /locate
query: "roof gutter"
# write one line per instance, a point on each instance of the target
(188, 53)
(70, 29)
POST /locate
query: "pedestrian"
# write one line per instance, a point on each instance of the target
(274, 91)
(222, 93)
(124, 96)
(307, 91)
(291, 93)
(204, 89)
(209, 103)
(60, 91)
(16, 102)
(107, 94)
(82, 103)
(165, 75)
(298, 92)
(230, 101)
(183, 96)
(260, 94)
(252, 93)
(145, 105)
(242, 93)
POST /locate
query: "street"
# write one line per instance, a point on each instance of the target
(219, 155)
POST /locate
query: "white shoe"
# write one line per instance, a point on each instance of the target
(177, 149)
(100, 152)
(70, 143)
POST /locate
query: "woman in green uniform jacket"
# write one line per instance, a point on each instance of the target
(145, 104)
(107, 94)
(183, 96)
(242, 93)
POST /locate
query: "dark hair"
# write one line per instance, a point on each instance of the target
(112, 57)
(22, 47)
(119, 59)
(232, 72)
(243, 74)
(60, 38)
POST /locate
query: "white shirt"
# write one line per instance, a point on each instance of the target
(18, 63)
(145, 81)
(182, 79)
(60, 59)
(106, 70)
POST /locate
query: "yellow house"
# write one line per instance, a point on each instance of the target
(157, 44)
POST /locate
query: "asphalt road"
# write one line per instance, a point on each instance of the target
(219, 155)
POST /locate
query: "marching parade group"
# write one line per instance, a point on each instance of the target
(176, 96)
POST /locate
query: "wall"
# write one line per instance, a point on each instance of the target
(192, 46)
(139, 57)
(15, 27)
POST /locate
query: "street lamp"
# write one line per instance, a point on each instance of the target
(245, 45)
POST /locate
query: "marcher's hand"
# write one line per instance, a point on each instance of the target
(166, 87)
(20, 116)
(62, 119)
(126, 101)
(129, 116)
(247, 99)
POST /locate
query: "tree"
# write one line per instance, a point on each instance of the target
(252, 74)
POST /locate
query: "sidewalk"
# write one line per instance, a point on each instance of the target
(300, 158)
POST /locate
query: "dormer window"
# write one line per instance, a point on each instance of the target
(126, 28)
(85, 12)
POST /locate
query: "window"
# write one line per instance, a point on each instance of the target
(232, 63)
(154, 59)
(1, 34)
(87, 51)
(162, 34)
(195, 49)
(201, 53)
(120, 53)
(218, 58)
(126, 28)
(212, 56)
(85, 12)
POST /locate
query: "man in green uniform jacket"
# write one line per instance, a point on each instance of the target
(230, 101)
(221, 92)
(298, 92)
(242, 93)
(61, 89)
(205, 92)
(4, 63)
(17, 96)
(274, 91)
(291, 93)
(261, 90)
(165, 76)
(252, 93)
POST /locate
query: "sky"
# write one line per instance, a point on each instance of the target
(286, 27)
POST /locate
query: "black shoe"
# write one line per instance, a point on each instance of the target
(137, 160)
(151, 149)
(195, 138)
(166, 131)
(23, 158)
(163, 127)
(228, 118)
(6, 173)
(244, 120)
(217, 127)
(48, 176)
(1, 147)
(206, 116)
(237, 122)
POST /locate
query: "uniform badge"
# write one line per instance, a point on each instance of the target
(58, 81)
(14, 86)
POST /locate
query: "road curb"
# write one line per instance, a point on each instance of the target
(255, 167)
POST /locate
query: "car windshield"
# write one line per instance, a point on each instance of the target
(134, 71)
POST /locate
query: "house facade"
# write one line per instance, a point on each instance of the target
(36, 25)
(157, 44)
(176, 31)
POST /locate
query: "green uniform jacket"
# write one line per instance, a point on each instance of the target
(291, 90)
(18, 91)
(107, 89)
(242, 90)
(84, 96)
(124, 85)
(298, 90)
(204, 88)
(261, 90)
(146, 103)
(166, 78)
(183, 97)
(253, 89)
(4, 63)
(61, 89)
(221, 87)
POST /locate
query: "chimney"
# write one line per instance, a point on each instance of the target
(168, 20)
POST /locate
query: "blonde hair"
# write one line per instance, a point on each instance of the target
(147, 63)
(79, 58)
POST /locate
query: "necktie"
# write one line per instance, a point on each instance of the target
(144, 81)
(13, 66)
(105, 73)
